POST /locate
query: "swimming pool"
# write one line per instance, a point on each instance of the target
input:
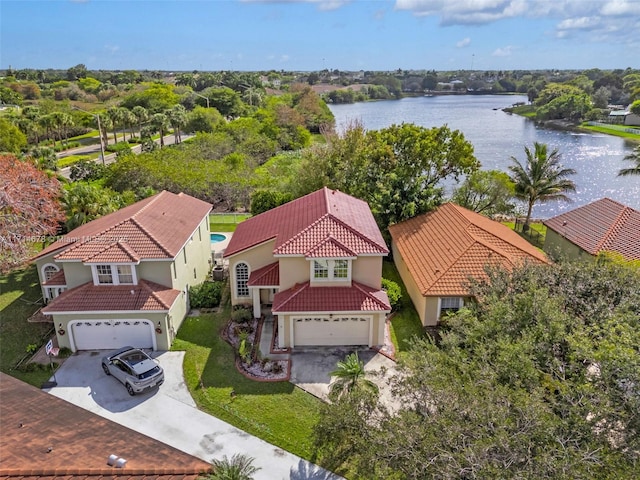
(217, 237)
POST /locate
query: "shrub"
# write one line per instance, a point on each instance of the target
(241, 315)
(393, 292)
(205, 295)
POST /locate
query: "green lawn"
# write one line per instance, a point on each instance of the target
(405, 323)
(617, 130)
(71, 159)
(18, 290)
(538, 235)
(226, 222)
(279, 412)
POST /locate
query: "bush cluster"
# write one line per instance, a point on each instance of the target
(206, 295)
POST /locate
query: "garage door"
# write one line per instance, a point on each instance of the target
(112, 334)
(331, 331)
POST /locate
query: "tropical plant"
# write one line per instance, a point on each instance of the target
(542, 178)
(350, 375)
(177, 117)
(142, 116)
(160, 124)
(85, 202)
(238, 467)
(635, 158)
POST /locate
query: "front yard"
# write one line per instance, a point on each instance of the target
(279, 412)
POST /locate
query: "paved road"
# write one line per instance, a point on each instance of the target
(110, 157)
(169, 415)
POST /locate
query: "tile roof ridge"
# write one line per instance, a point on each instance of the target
(331, 238)
(617, 223)
(357, 232)
(295, 291)
(303, 231)
(137, 223)
(152, 200)
(360, 286)
(119, 243)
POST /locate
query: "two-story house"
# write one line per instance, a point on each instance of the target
(316, 262)
(123, 279)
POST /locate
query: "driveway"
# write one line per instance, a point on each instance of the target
(169, 415)
(311, 370)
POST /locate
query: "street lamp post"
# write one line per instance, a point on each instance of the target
(99, 131)
(202, 96)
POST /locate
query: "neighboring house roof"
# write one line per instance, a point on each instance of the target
(44, 436)
(154, 228)
(298, 227)
(267, 276)
(146, 296)
(305, 298)
(444, 248)
(603, 225)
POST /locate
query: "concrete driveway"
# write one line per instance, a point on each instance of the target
(311, 370)
(169, 415)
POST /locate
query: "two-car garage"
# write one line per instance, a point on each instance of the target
(111, 334)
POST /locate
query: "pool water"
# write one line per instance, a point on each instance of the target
(217, 237)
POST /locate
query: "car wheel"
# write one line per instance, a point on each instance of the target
(106, 369)
(130, 390)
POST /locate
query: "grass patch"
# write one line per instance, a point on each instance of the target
(536, 236)
(226, 222)
(72, 159)
(528, 111)
(279, 412)
(18, 290)
(90, 134)
(616, 130)
(405, 323)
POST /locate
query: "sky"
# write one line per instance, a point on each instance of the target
(306, 35)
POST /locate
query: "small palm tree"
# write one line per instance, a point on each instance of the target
(239, 467)
(542, 178)
(351, 375)
(632, 157)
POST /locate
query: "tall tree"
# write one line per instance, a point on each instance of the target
(635, 158)
(29, 209)
(542, 178)
(84, 202)
(160, 123)
(177, 116)
(489, 192)
(12, 140)
(142, 116)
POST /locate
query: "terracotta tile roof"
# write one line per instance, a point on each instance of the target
(118, 252)
(58, 279)
(300, 225)
(330, 248)
(356, 298)
(443, 248)
(146, 296)
(156, 227)
(34, 421)
(267, 276)
(603, 225)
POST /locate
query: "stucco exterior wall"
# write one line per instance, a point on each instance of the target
(193, 268)
(556, 246)
(255, 258)
(294, 270)
(418, 300)
(431, 311)
(368, 270)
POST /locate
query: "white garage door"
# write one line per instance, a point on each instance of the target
(112, 334)
(331, 331)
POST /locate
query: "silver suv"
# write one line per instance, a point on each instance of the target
(136, 370)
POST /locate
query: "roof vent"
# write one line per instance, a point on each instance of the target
(115, 461)
(132, 292)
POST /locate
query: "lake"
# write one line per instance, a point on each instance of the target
(497, 136)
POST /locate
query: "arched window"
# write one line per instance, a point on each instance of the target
(242, 277)
(49, 271)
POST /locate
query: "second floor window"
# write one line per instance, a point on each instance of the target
(114, 275)
(242, 277)
(325, 269)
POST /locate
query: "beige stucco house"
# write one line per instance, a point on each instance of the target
(437, 253)
(124, 279)
(315, 264)
(601, 226)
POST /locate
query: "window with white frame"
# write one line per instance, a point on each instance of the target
(114, 275)
(242, 277)
(49, 271)
(330, 270)
(450, 304)
(104, 275)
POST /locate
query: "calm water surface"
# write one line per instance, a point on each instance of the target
(496, 136)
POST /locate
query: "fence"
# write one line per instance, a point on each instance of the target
(616, 126)
(533, 235)
(229, 218)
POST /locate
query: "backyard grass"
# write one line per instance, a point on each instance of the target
(18, 291)
(226, 222)
(617, 130)
(537, 235)
(405, 323)
(277, 412)
(71, 159)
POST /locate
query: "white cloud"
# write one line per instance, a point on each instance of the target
(503, 51)
(463, 43)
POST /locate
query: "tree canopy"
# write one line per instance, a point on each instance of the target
(538, 379)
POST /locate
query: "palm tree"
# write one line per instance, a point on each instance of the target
(160, 123)
(115, 115)
(178, 118)
(351, 375)
(142, 116)
(239, 467)
(632, 157)
(542, 178)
